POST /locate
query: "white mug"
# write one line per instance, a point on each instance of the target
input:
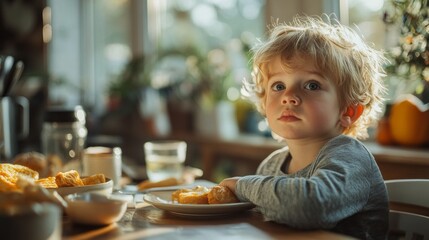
(103, 160)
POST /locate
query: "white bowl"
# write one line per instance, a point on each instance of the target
(105, 188)
(24, 219)
(94, 209)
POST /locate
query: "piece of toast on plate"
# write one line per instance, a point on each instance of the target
(202, 195)
(196, 195)
(220, 195)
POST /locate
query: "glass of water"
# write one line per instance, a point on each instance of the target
(164, 159)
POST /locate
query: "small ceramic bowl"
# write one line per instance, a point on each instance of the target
(94, 209)
(105, 188)
(40, 220)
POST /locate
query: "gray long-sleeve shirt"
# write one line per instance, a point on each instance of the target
(341, 190)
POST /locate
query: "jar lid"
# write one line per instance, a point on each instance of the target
(99, 151)
(64, 115)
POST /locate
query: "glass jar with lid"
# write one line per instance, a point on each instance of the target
(64, 135)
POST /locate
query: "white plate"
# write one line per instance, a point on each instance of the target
(105, 188)
(162, 200)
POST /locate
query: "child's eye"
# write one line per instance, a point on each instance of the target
(278, 86)
(312, 86)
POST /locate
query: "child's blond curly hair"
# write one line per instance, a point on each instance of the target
(337, 52)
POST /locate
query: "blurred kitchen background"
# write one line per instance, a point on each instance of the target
(145, 69)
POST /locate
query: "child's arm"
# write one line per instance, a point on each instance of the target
(337, 187)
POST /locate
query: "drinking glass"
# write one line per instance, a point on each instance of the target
(164, 159)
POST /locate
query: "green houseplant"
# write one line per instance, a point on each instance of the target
(188, 79)
(125, 91)
(410, 58)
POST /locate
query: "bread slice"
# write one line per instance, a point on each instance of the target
(68, 179)
(15, 170)
(33, 160)
(94, 179)
(221, 195)
(202, 195)
(48, 182)
(7, 184)
(10, 173)
(193, 198)
(163, 183)
(196, 195)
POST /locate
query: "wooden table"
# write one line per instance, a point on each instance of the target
(148, 222)
(143, 221)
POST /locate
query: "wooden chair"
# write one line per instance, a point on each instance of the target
(410, 194)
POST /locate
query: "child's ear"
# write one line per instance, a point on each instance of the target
(351, 114)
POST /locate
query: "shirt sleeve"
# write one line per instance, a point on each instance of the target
(334, 187)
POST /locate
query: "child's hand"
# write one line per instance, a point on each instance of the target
(230, 183)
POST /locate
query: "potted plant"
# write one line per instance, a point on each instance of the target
(124, 92)
(215, 113)
(409, 62)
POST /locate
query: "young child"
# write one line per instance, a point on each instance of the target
(319, 86)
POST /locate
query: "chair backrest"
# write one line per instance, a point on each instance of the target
(409, 191)
(407, 226)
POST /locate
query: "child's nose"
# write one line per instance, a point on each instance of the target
(290, 99)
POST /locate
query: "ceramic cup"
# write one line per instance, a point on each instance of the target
(164, 159)
(103, 160)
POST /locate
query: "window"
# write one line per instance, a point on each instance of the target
(367, 17)
(92, 41)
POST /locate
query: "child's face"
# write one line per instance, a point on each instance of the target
(300, 103)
